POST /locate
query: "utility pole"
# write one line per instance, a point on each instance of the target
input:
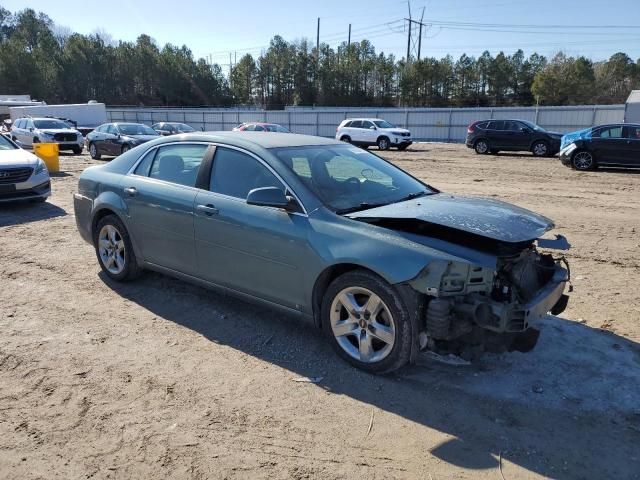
(349, 40)
(420, 37)
(318, 41)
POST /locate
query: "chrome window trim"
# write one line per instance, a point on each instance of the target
(232, 147)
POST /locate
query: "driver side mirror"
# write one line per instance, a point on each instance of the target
(270, 197)
(372, 127)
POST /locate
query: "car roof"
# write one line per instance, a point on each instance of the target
(257, 139)
(371, 119)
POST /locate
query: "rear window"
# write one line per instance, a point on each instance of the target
(347, 124)
(482, 125)
(496, 125)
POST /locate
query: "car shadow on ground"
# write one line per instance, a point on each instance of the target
(568, 409)
(15, 213)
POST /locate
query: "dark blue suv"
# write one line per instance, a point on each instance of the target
(492, 136)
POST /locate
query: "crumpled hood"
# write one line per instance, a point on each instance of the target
(571, 137)
(17, 158)
(480, 216)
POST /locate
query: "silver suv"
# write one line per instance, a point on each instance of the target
(28, 131)
(367, 132)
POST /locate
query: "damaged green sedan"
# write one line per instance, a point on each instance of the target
(383, 263)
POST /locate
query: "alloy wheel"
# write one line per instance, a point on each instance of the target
(92, 150)
(583, 160)
(362, 324)
(383, 144)
(482, 147)
(111, 249)
(540, 149)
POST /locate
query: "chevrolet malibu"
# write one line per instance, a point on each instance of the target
(384, 264)
(23, 176)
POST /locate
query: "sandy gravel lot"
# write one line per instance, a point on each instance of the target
(161, 379)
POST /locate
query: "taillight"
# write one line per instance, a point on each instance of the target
(471, 128)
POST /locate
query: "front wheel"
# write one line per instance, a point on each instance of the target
(93, 151)
(77, 149)
(383, 143)
(540, 149)
(366, 322)
(583, 160)
(114, 249)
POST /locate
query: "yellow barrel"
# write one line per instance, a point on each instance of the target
(49, 154)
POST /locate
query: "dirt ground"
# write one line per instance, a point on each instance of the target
(161, 379)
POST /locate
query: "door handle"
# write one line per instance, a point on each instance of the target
(207, 209)
(131, 191)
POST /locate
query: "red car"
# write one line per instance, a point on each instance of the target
(260, 127)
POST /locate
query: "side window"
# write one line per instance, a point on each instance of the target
(347, 125)
(18, 124)
(497, 125)
(482, 125)
(633, 133)
(259, 128)
(145, 165)
(512, 126)
(177, 164)
(112, 130)
(235, 174)
(356, 124)
(367, 125)
(250, 128)
(610, 132)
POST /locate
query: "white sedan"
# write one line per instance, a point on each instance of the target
(23, 176)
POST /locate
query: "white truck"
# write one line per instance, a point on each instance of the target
(84, 117)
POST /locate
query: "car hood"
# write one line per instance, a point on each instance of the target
(571, 137)
(143, 138)
(483, 217)
(403, 130)
(17, 158)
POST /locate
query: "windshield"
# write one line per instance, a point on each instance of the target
(5, 144)
(183, 127)
(276, 128)
(347, 178)
(135, 129)
(54, 124)
(383, 124)
(533, 126)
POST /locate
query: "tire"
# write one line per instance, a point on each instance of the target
(383, 143)
(118, 248)
(540, 149)
(94, 152)
(77, 150)
(583, 160)
(345, 138)
(125, 148)
(345, 330)
(481, 146)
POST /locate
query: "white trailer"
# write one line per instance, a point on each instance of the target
(632, 108)
(86, 116)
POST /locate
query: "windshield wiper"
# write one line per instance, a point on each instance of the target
(413, 195)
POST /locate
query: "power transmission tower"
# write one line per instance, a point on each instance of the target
(414, 48)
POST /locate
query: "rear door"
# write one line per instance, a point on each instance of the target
(160, 194)
(609, 145)
(260, 251)
(356, 131)
(632, 146)
(494, 133)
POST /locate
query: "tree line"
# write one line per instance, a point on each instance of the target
(59, 66)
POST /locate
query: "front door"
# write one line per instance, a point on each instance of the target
(608, 145)
(252, 249)
(369, 132)
(160, 195)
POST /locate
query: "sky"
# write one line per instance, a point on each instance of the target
(212, 29)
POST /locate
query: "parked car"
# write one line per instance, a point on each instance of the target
(382, 262)
(28, 131)
(260, 127)
(172, 128)
(492, 136)
(366, 132)
(615, 145)
(23, 176)
(117, 138)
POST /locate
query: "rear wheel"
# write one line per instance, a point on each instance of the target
(383, 143)
(93, 151)
(481, 147)
(114, 250)
(540, 149)
(583, 160)
(367, 322)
